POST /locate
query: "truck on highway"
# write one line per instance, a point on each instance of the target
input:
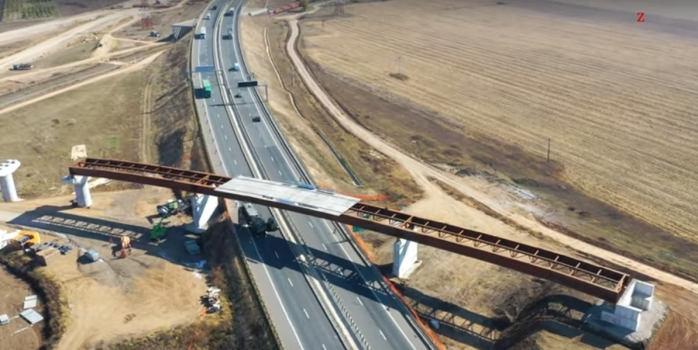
(206, 90)
(202, 33)
(256, 224)
(230, 34)
(208, 15)
(230, 12)
(22, 66)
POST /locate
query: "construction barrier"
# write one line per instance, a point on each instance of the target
(362, 246)
(363, 197)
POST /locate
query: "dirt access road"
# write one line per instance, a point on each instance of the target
(420, 171)
(47, 47)
(139, 65)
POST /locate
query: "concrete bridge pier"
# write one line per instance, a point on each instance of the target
(404, 258)
(7, 182)
(202, 207)
(83, 197)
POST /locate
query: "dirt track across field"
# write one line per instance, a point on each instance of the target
(420, 171)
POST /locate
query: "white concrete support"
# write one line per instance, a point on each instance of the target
(636, 299)
(404, 257)
(83, 197)
(82, 192)
(7, 182)
(203, 206)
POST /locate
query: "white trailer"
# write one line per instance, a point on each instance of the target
(202, 33)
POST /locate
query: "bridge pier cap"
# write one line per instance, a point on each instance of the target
(83, 197)
(7, 182)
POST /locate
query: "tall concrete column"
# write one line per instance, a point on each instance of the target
(83, 197)
(7, 182)
(202, 207)
(404, 257)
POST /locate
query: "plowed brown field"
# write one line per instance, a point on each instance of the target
(618, 100)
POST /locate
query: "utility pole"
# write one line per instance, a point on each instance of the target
(338, 7)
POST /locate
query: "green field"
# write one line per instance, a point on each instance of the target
(29, 9)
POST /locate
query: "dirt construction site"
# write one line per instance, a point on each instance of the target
(563, 124)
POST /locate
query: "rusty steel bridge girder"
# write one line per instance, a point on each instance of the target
(593, 279)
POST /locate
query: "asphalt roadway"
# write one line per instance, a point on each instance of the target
(299, 318)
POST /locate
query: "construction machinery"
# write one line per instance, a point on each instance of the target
(22, 66)
(173, 207)
(256, 224)
(125, 247)
(157, 234)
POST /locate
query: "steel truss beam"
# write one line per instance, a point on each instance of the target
(589, 278)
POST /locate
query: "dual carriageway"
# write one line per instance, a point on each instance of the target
(309, 309)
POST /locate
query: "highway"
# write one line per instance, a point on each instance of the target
(361, 312)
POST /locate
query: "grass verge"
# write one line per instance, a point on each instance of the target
(377, 172)
(49, 291)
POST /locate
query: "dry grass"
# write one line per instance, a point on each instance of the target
(107, 117)
(530, 313)
(72, 54)
(488, 92)
(378, 173)
(104, 116)
(676, 332)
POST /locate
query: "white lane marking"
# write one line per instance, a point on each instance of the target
(259, 112)
(323, 347)
(277, 256)
(221, 126)
(310, 223)
(324, 246)
(280, 173)
(230, 149)
(357, 298)
(235, 161)
(306, 314)
(225, 136)
(266, 270)
(289, 281)
(272, 159)
(382, 335)
(218, 115)
(377, 298)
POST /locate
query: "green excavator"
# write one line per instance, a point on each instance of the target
(157, 234)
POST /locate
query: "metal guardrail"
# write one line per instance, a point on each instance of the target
(285, 217)
(209, 137)
(343, 163)
(308, 179)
